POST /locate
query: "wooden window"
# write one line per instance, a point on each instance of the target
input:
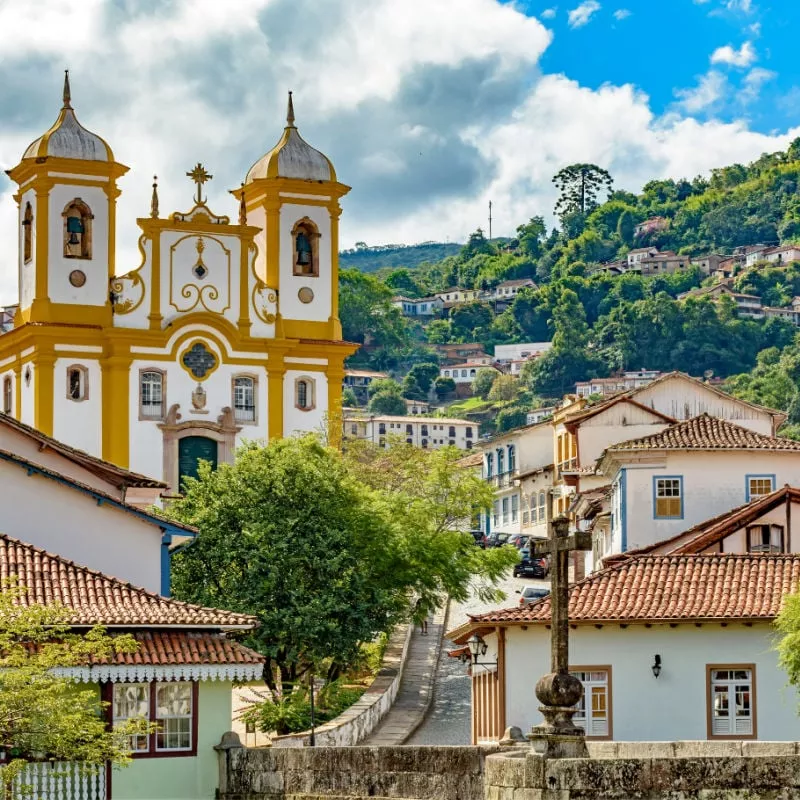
(496, 513)
(469, 432)
(594, 708)
(305, 238)
(500, 462)
(505, 511)
(171, 705)
(452, 430)
(305, 394)
(489, 464)
(542, 506)
(77, 229)
(731, 700)
(512, 458)
(8, 394)
(514, 508)
(151, 394)
(759, 485)
(668, 497)
(765, 539)
(244, 398)
(77, 383)
(381, 428)
(27, 234)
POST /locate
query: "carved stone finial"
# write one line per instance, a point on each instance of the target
(290, 113)
(154, 200)
(67, 93)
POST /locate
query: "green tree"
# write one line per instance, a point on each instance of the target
(387, 402)
(424, 374)
(626, 227)
(505, 387)
(469, 317)
(349, 399)
(484, 379)
(329, 550)
(579, 187)
(380, 385)
(477, 243)
(510, 418)
(42, 711)
(401, 281)
(531, 235)
(444, 386)
(412, 390)
(439, 331)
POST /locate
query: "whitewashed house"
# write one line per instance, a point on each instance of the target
(418, 307)
(668, 648)
(666, 482)
(425, 432)
(465, 373)
(506, 353)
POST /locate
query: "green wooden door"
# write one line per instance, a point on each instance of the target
(190, 451)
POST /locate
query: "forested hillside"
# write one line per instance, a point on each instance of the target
(599, 322)
(371, 259)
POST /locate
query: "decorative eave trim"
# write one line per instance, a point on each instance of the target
(142, 673)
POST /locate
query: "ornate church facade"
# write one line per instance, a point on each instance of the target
(227, 331)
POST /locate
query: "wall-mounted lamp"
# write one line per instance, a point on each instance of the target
(656, 666)
(477, 648)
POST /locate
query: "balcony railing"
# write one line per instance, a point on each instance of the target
(60, 781)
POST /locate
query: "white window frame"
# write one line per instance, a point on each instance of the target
(164, 719)
(505, 510)
(660, 492)
(542, 505)
(596, 682)
(134, 742)
(514, 508)
(246, 415)
(145, 415)
(723, 687)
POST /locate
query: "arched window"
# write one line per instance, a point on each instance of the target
(512, 458)
(27, 234)
(151, 394)
(305, 241)
(542, 506)
(500, 462)
(304, 398)
(77, 230)
(7, 395)
(244, 399)
(77, 383)
(489, 465)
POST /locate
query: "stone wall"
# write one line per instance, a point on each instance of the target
(357, 722)
(414, 773)
(614, 771)
(650, 771)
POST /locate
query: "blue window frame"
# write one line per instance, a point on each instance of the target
(668, 497)
(489, 464)
(758, 486)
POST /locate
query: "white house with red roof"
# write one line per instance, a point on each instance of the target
(668, 648)
(666, 482)
(181, 676)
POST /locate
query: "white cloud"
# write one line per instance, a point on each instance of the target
(548, 13)
(743, 57)
(622, 13)
(711, 88)
(583, 13)
(752, 84)
(428, 115)
(745, 6)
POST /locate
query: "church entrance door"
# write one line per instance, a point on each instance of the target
(191, 450)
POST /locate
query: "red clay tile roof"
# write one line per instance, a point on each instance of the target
(98, 599)
(105, 470)
(186, 647)
(672, 589)
(705, 432)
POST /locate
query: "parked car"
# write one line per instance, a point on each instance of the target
(479, 537)
(531, 594)
(498, 539)
(531, 568)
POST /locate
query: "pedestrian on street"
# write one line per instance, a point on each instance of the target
(421, 616)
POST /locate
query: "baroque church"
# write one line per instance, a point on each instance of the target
(227, 330)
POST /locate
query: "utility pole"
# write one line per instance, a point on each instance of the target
(490, 220)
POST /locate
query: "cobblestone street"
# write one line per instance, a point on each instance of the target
(448, 722)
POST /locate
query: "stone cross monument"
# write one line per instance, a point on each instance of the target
(558, 692)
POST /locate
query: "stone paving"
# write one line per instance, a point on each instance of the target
(416, 686)
(448, 721)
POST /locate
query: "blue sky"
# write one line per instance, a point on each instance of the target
(429, 109)
(664, 47)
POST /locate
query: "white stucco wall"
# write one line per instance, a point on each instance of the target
(319, 309)
(59, 289)
(78, 422)
(69, 523)
(643, 708)
(712, 484)
(294, 419)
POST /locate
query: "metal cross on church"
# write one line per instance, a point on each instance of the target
(559, 692)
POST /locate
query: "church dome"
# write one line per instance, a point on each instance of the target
(292, 157)
(67, 138)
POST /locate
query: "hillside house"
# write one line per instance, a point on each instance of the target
(667, 647)
(450, 354)
(639, 253)
(652, 225)
(508, 290)
(783, 254)
(747, 305)
(359, 380)
(425, 432)
(417, 407)
(421, 307)
(710, 263)
(539, 414)
(506, 353)
(632, 379)
(456, 297)
(661, 264)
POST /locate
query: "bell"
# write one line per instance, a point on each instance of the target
(73, 238)
(303, 258)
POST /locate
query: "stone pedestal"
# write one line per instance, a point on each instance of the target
(558, 736)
